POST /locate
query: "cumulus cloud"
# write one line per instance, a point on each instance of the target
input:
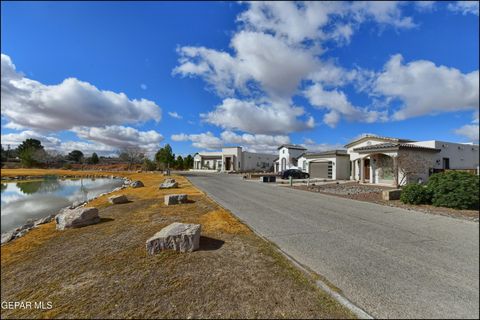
(337, 104)
(52, 143)
(251, 142)
(66, 105)
(143, 86)
(121, 137)
(470, 131)
(255, 117)
(312, 146)
(205, 140)
(277, 47)
(175, 115)
(464, 7)
(425, 88)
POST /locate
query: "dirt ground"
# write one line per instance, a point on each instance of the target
(103, 271)
(373, 194)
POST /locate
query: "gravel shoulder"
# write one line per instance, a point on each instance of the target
(103, 271)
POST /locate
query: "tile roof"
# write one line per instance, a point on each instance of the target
(292, 146)
(391, 145)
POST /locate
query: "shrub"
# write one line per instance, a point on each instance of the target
(454, 189)
(415, 194)
(67, 166)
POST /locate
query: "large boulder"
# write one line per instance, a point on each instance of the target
(76, 218)
(137, 184)
(169, 183)
(181, 237)
(391, 194)
(7, 236)
(118, 199)
(171, 199)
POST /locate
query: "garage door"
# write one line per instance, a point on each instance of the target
(320, 170)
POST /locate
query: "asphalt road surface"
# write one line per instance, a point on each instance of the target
(391, 262)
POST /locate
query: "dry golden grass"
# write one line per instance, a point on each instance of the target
(103, 271)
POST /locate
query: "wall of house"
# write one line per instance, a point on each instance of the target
(341, 165)
(342, 168)
(288, 155)
(237, 153)
(462, 156)
(257, 161)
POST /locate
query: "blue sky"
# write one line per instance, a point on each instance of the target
(100, 76)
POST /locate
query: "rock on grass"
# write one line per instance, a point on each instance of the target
(76, 218)
(181, 237)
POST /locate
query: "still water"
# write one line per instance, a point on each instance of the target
(36, 199)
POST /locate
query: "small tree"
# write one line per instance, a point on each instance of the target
(131, 155)
(179, 163)
(33, 144)
(148, 165)
(94, 159)
(165, 157)
(75, 155)
(31, 152)
(188, 162)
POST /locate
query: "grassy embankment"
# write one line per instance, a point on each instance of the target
(103, 271)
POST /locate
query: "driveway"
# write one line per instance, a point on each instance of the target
(391, 262)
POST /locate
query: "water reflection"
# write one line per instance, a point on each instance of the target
(35, 199)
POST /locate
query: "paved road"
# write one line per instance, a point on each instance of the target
(391, 262)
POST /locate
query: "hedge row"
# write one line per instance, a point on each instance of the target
(452, 189)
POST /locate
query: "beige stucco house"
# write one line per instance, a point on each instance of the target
(232, 159)
(395, 161)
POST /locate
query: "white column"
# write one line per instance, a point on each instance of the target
(362, 170)
(223, 163)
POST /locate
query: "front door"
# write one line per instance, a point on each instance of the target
(228, 163)
(367, 169)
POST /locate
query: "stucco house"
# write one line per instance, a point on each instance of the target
(395, 161)
(333, 164)
(288, 155)
(233, 159)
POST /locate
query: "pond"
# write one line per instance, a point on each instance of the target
(35, 199)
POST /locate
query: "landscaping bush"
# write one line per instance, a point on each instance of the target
(454, 189)
(415, 194)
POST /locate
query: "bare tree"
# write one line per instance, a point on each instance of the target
(131, 155)
(411, 165)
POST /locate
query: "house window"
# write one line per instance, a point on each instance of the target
(283, 151)
(304, 165)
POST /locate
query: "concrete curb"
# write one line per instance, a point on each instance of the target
(357, 311)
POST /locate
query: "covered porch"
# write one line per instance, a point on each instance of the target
(376, 168)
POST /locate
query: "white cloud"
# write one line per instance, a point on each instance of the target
(14, 139)
(143, 86)
(252, 117)
(205, 140)
(278, 46)
(251, 142)
(52, 143)
(382, 12)
(120, 137)
(175, 115)
(425, 88)
(464, 7)
(312, 146)
(470, 131)
(424, 5)
(337, 104)
(66, 105)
